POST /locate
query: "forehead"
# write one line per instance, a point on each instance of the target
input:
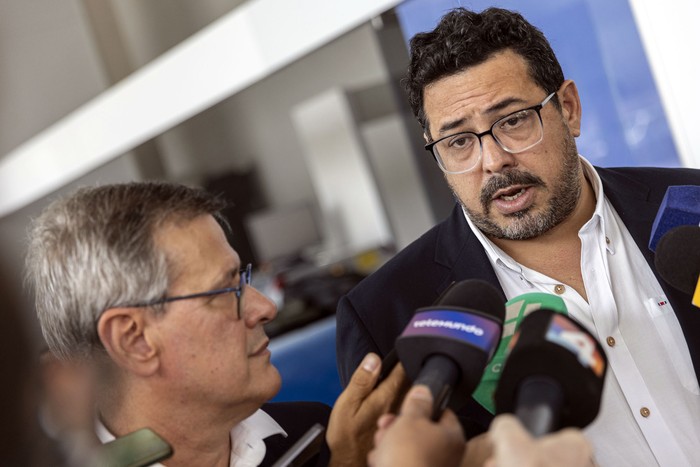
(467, 94)
(197, 250)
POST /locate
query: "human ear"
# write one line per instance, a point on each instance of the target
(570, 106)
(125, 334)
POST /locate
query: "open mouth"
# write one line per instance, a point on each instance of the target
(513, 199)
(510, 194)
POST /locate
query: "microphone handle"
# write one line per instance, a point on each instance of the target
(441, 374)
(539, 403)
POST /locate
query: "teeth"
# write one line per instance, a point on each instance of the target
(511, 198)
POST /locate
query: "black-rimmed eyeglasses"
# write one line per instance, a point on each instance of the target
(246, 275)
(516, 132)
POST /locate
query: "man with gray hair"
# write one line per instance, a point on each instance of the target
(139, 281)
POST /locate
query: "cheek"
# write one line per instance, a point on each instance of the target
(214, 343)
(466, 188)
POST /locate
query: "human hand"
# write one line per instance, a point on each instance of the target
(513, 446)
(354, 417)
(413, 439)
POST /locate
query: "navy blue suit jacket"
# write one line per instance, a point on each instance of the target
(373, 314)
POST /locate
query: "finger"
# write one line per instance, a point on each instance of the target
(450, 422)
(391, 391)
(507, 426)
(385, 397)
(385, 421)
(418, 402)
(509, 438)
(378, 436)
(362, 381)
(371, 458)
(568, 446)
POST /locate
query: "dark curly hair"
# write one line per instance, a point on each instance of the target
(464, 38)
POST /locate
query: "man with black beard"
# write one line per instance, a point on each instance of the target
(535, 216)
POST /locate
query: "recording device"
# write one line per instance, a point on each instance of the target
(446, 346)
(304, 449)
(391, 359)
(677, 260)
(680, 206)
(554, 374)
(517, 308)
(138, 449)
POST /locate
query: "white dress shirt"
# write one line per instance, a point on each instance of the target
(650, 411)
(247, 445)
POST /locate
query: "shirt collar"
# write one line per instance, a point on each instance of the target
(260, 425)
(247, 446)
(246, 437)
(601, 206)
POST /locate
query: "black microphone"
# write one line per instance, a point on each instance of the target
(553, 376)
(447, 346)
(677, 260)
(391, 359)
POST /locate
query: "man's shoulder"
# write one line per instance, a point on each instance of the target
(651, 176)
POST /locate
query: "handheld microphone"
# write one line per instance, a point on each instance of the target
(680, 206)
(554, 374)
(517, 308)
(447, 346)
(677, 260)
(391, 359)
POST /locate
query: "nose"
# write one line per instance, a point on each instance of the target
(257, 308)
(495, 159)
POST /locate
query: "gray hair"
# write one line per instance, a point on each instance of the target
(95, 250)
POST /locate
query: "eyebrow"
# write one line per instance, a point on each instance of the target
(497, 107)
(226, 278)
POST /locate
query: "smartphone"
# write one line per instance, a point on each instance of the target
(304, 449)
(138, 449)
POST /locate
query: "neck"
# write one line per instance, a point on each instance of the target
(197, 434)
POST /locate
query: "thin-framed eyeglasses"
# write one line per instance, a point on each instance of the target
(516, 132)
(246, 276)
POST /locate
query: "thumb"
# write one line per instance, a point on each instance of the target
(418, 402)
(363, 380)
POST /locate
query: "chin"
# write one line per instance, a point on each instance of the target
(271, 382)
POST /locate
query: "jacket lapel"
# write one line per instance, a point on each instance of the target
(461, 253)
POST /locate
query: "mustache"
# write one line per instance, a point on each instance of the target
(506, 179)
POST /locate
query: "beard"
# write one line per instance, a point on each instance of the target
(526, 224)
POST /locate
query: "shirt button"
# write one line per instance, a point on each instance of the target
(559, 289)
(607, 240)
(611, 341)
(645, 412)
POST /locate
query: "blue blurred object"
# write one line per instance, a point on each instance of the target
(599, 47)
(306, 360)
